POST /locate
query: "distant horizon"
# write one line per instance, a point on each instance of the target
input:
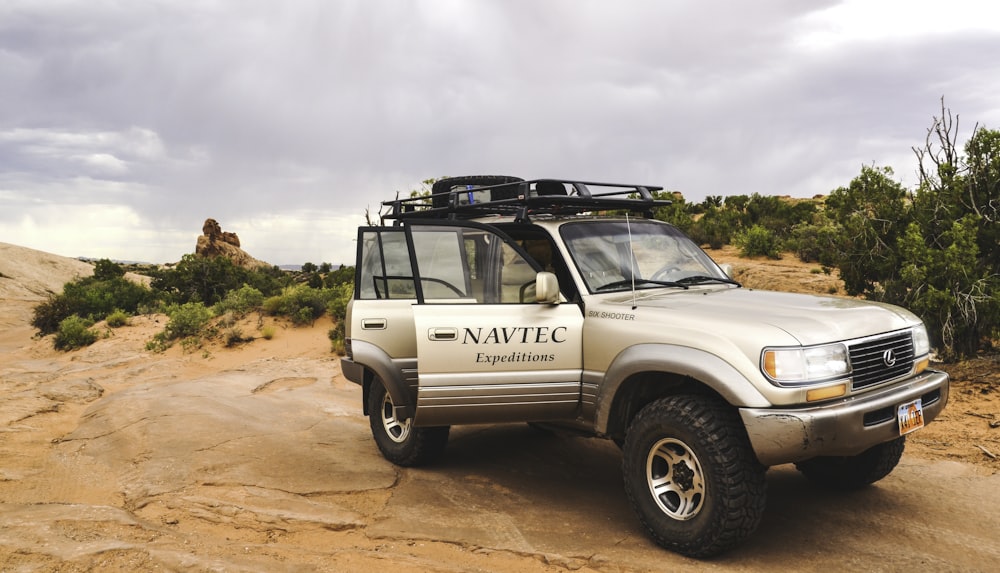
(91, 259)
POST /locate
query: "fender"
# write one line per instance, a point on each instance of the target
(699, 365)
(391, 371)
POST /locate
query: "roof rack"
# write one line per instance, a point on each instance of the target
(522, 199)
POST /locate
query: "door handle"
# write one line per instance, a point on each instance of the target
(373, 323)
(442, 334)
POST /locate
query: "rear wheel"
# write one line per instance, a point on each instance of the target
(399, 441)
(691, 475)
(853, 472)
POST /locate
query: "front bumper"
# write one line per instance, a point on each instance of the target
(842, 428)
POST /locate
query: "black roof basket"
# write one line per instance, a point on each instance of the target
(522, 199)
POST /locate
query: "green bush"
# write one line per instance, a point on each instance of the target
(343, 275)
(337, 307)
(90, 298)
(338, 298)
(186, 320)
(117, 319)
(758, 241)
(186, 323)
(302, 304)
(74, 332)
(105, 269)
(209, 279)
(240, 302)
(336, 336)
(814, 242)
(715, 228)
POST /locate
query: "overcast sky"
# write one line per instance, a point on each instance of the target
(124, 124)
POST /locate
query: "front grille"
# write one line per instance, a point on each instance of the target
(868, 359)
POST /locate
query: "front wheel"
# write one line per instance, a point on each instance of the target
(399, 441)
(691, 476)
(854, 472)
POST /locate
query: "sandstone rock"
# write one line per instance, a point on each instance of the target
(214, 242)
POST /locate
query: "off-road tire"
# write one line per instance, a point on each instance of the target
(441, 188)
(712, 494)
(400, 442)
(854, 472)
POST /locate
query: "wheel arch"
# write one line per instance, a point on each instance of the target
(647, 372)
(375, 362)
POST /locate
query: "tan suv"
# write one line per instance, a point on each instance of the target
(563, 302)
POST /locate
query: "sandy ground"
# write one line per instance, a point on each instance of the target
(257, 458)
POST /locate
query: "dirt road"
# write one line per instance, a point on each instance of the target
(258, 459)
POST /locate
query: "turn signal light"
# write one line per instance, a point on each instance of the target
(826, 393)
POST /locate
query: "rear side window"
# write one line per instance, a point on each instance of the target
(441, 263)
(384, 265)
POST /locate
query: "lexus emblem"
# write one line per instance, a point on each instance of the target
(889, 358)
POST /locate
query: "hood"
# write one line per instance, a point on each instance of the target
(810, 319)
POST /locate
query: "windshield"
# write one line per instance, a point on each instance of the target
(658, 255)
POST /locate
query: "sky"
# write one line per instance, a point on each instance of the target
(124, 124)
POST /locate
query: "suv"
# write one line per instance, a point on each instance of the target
(565, 303)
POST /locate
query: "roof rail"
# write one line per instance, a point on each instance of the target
(522, 199)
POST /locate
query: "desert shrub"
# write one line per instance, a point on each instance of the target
(186, 320)
(758, 241)
(715, 228)
(338, 298)
(337, 307)
(234, 336)
(117, 319)
(47, 315)
(933, 249)
(191, 343)
(74, 332)
(240, 302)
(209, 279)
(106, 269)
(302, 304)
(303, 316)
(267, 332)
(814, 242)
(336, 336)
(343, 275)
(186, 323)
(227, 320)
(90, 298)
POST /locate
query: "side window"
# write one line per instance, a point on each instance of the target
(384, 263)
(517, 277)
(452, 262)
(537, 243)
(442, 262)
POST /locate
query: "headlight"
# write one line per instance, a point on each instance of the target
(797, 366)
(921, 343)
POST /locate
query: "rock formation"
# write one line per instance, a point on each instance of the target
(214, 242)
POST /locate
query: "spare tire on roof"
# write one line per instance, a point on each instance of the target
(441, 188)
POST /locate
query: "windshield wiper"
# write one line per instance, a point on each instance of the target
(701, 279)
(628, 282)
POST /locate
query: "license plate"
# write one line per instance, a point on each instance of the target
(911, 417)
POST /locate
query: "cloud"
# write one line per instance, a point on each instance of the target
(289, 119)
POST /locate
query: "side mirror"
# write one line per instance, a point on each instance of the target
(546, 288)
(727, 268)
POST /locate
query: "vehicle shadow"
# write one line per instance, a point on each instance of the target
(563, 494)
